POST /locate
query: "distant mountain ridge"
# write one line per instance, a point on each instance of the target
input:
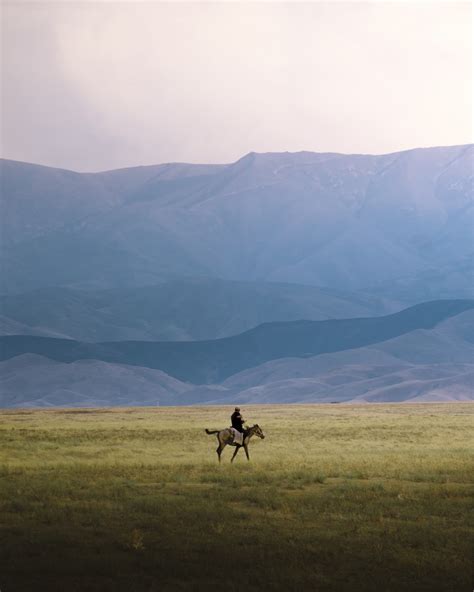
(31, 380)
(213, 361)
(199, 274)
(434, 364)
(398, 225)
(185, 309)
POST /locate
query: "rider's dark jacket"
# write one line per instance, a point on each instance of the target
(237, 421)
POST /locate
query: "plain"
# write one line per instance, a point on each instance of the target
(336, 498)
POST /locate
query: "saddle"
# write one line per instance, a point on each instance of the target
(238, 437)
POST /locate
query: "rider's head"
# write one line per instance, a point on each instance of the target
(237, 408)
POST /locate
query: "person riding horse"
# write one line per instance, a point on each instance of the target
(237, 420)
(228, 436)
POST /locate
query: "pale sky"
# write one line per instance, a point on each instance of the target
(99, 85)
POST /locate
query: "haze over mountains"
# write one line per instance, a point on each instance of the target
(420, 364)
(181, 309)
(349, 222)
(181, 252)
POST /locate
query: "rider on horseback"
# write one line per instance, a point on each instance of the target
(237, 420)
(227, 436)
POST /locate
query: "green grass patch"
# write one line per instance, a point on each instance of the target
(369, 497)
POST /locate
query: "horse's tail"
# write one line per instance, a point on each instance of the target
(212, 431)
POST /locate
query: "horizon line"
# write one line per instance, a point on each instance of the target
(252, 152)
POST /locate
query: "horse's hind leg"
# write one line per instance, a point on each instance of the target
(219, 450)
(237, 448)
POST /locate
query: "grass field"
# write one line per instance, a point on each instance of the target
(337, 497)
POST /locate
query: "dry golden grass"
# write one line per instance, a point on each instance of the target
(337, 497)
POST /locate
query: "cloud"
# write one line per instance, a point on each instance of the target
(101, 85)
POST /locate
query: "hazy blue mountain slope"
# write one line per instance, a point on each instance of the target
(215, 360)
(360, 360)
(450, 341)
(38, 199)
(371, 373)
(398, 223)
(459, 387)
(185, 309)
(31, 380)
(10, 326)
(138, 182)
(357, 384)
(449, 344)
(423, 365)
(141, 259)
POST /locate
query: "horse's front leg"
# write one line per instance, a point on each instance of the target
(246, 448)
(237, 448)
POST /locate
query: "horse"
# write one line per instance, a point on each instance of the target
(225, 437)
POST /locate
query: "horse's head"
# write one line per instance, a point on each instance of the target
(257, 430)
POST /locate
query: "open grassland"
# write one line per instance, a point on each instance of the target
(336, 498)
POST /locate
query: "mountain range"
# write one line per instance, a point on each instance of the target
(175, 310)
(432, 362)
(218, 269)
(397, 225)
